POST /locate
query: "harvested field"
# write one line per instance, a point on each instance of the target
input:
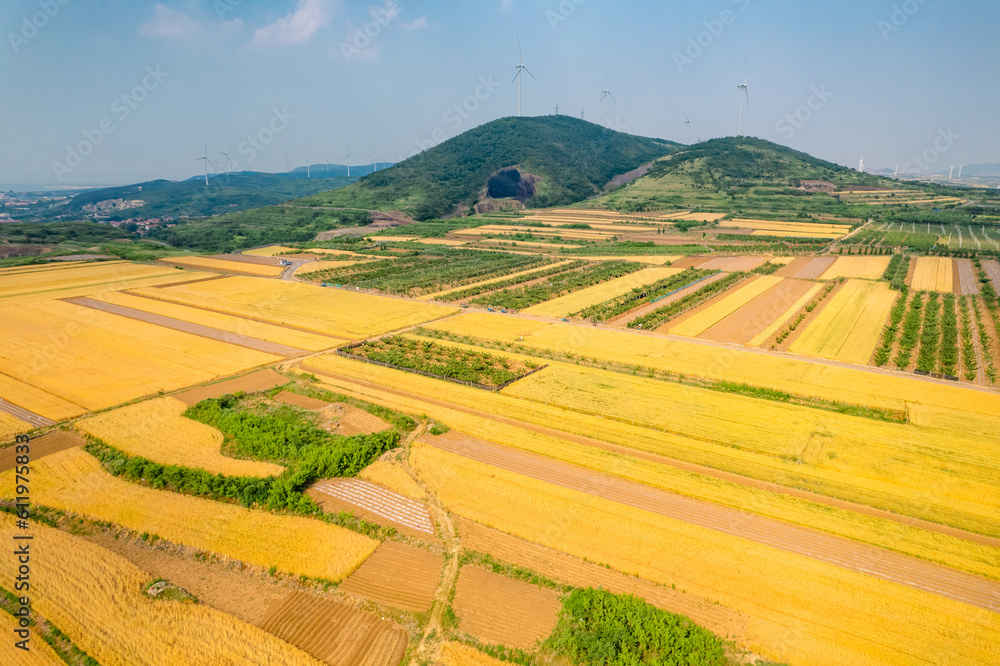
(722, 306)
(870, 268)
(812, 269)
(337, 417)
(583, 298)
(398, 575)
(840, 616)
(791, 268)
(460, 654)
(992, 269)
(72, 480)
(373, 499)
(237, 339)
(761, 317)
(224, 266)
(392, 476)
(105, 359)
(965, 283)
(339, 312)
(933, 274)
(303, 401)
(47, 444)
(778, 228)
(496, 609)
(849, 327)
(157, 430)
(732, 264)
(580, 573)
(283, 335)
(335, 633)
(96, 598)
(262, 380)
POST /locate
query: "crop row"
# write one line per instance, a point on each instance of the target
(911, 331)
(426, 273)
(948, 363)
(895, 273)
(985, 343)
(517, 298)
(930, 336)
(884, 352)
(969, 360)
(662, 315)
(514, 281)
(641, 295)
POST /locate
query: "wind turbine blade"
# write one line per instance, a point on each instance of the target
(516, 75)
(746, 91)
(612, 97)
(519, 55)
(529, 73)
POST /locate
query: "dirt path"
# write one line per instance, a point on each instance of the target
(189, 327)
(851, 555)
(29, 417)
(679, 464)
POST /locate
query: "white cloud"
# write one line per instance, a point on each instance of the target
(297, 27)
(416, 24)
(169, 23)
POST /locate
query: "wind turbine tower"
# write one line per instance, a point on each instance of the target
(687, 129)
(951, 172)
(861, 165)
(605, 96)
(896, 175)
(960, 170)
(347, 159)
(228, 161)
(308, 169)
(206, 160)
(517, 77)
(742, 91)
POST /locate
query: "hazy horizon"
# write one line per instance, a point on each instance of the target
(141, 87)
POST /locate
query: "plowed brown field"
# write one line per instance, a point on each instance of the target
(336, 633)
(744, 324)
(965, 278)
(48, 444)
(732, 264)
(373, 500)
(992, 269)
(497, 609)
(398, 575)
(816, 267)
(255, 381)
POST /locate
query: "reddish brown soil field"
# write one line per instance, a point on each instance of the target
(255, 381)
(336, 633)
(792, 268)
(733, 264)
(568, 569)
(743, 325)
(816, 267)
(398, 575)
(302, 401)
(45, 445)
(992, 269)
(497, 609)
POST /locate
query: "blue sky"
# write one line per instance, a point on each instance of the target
(116, 91)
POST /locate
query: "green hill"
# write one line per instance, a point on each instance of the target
(741, 174)
(193, 198)
(571, 158)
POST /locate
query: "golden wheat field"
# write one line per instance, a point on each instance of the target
(36, 400)
(38, 653)
(347, 314)
(255, 329)
(157, 430)
(849, 327)
(651, 259)
(73, 480)
(584, 298)
(10, 426)
(934, 546)
(784, 317)
(226, 266)
(96, 359)
(798, 609)
(392, 476)
(79, 586)
(879, 464)
(933, 274)
(460, 654)
(772, 227)
(870, 268)
(85, 279)
(270, 251)
(721, 307)
(798, 376)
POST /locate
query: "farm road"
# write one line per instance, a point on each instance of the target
(857, 557)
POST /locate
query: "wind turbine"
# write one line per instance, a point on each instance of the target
(348, 157)
(228, 161)
(960, 170)
(375, 163)
(951, 172)
(742, 91)
(308, 169)
(288, 164)
(896, 175)
(861, 165)
(605, 96)
(206, 160)
(328, 165)
(687, 128)
(517, 77)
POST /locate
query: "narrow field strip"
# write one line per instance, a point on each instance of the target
(724, 305)
(851, 555)
(391, 506)
(849, 327)
(765, 311)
